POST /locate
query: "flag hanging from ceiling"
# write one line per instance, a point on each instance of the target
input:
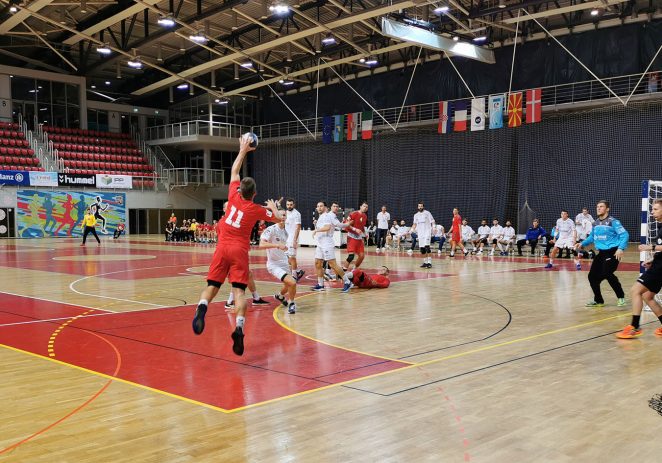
(514, 109)
(533, 105)
(352, 126)
(366, 125)
(445, 116)
(477, 114)
(496, 106)
(339, 128)
(327, 129)
(460, 124)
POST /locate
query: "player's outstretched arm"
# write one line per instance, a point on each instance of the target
(278, 216)
(244, 149)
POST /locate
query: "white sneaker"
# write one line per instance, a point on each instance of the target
(439, 251)
(466, 251)
(491, 253)
(377, 250)
(479, 253)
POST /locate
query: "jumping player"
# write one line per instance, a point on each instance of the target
(231, 256)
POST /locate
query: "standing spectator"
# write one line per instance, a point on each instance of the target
(170, 231)
(653, 78)
(533, 234)
(456, 233)
(383, 219)
(370, 235)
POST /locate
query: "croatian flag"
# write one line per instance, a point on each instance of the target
(445, 113)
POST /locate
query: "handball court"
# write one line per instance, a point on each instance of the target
(478, 359)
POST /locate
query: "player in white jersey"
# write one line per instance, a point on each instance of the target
(566, 237)
(326, 251)
(483, 235)
(293, 227)
(467, 232)
(422, 226)
(275, 240)
(508, 237)
(584, 224)
(496, 235)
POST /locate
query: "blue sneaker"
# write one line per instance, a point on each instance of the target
(318, 288)
(578, 266)
(346, 287)
(548, 266)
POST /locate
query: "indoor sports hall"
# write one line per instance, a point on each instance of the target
(470, 195)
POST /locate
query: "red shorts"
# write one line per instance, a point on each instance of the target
(455, 236)
(355, 246)
(231, 263)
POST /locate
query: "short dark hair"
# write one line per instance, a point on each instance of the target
(657, 201)
(536, 220)
(247, 187)
(323, 203)
(605, 202)
(364, 202)
(336, 203)
(290, 200)
(563, 210)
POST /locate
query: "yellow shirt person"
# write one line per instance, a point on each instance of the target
(89, 221)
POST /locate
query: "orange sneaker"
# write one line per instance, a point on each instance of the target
(658, 332)
(629, 332)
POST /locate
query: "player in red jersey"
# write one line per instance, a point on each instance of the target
(355, 233)
(456, 233)
(231, 256)
(362, 280)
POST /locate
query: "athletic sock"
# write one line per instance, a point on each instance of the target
(345, 279)
(231, 298)
(320, 281)
(635, 321)
(349, 275)
(240, 322)
(204, 302)
(256, 296)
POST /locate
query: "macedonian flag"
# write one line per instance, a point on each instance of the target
(514, 109)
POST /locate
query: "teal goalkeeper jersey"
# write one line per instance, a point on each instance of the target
(606, 234)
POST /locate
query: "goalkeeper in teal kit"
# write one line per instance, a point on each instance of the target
(610, 238)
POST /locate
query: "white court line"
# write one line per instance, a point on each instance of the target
(464, 275)
(57, 302)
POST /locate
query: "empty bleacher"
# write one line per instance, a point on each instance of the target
(93, 152)
(15, 151)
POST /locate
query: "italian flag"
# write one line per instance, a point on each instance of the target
(366, 125)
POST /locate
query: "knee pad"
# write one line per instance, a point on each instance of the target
(350, 258)
(427, 249)
(241, 286)
(213, 283)
(423, 251)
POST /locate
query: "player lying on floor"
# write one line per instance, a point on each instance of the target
(360, 279)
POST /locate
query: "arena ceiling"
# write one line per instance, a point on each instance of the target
(208, 44)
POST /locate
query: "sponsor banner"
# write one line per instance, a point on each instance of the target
(45, 213)
(14, 177)
(114, 181)
(76, 180)
(43, 179)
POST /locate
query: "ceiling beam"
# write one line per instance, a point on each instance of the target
(20, 16)
(565, 9)
(219, 62)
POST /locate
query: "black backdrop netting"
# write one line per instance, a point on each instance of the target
(567, 161)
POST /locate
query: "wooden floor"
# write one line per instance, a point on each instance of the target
(478, 359)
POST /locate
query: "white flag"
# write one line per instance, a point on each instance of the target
(478, 114)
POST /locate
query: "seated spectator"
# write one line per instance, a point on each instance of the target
(390, 236)
(496, 235)
(438, 236)
(119, 230)
(550, 241)
(467, 233)
(533, 235)
(508, 238)
(370, 233)
(481, 240)
(401, 235)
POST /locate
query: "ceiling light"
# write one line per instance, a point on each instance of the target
(83, 6)
(221, 101)
(182, 86)
(502, 4)
(371, 61)
(482, 38)
(247, 65)
(279, 8)
(13, 9)
(362, 60)
(104, 49)
(455, 38)
(198, 38)
(595, 12)
(135, 63)
(441, 10)
(107, 82)
(288, 83)
(93, 86)
(329, 40)
(281, 81)
(166, 21)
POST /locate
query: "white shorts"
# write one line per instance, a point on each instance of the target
(278, 269)
(564, 243)
(325, 252)
(291, 252)
(424, 240)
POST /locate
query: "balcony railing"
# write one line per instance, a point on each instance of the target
(183, 177)
(194, 128)
(553, 97)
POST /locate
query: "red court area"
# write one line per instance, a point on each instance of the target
(157, 348)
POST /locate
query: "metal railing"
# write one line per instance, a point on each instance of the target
(553, 97)
(154, 155)
(182, 177)
(194, 128)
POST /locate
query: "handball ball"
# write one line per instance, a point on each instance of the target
(410, 252)
(251, 136)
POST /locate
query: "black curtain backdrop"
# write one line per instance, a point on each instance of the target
(567, 161)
